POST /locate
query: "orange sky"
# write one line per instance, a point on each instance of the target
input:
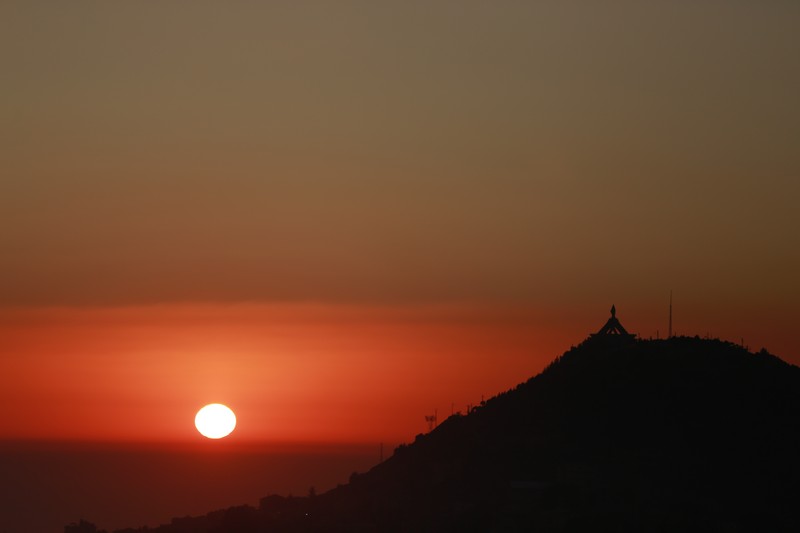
(461, 188)
(292, 372)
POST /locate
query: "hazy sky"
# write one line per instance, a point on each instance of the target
(160, 151)
(552, 155)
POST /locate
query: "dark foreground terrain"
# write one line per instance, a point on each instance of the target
(617, 434)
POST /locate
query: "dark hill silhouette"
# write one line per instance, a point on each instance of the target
(617, 434)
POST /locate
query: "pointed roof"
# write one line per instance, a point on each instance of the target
(613, 326)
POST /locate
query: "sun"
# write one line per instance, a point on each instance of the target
(215, 421)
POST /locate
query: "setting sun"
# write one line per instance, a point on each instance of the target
(215, 421)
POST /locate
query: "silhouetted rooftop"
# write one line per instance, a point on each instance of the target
(613, 326)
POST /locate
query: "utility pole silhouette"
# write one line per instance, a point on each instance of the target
(431, 420)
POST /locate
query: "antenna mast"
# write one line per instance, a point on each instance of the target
(669, 336)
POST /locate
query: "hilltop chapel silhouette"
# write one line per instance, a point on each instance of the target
(613, 330)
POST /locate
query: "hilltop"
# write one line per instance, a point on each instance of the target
(616, 434)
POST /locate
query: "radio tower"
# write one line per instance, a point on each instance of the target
(669, 335)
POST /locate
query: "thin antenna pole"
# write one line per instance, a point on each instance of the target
(669, 336)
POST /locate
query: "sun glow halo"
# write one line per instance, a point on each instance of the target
(215, 421)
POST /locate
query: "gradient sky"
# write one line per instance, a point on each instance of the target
(414, 203)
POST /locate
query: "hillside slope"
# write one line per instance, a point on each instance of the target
(615, 435)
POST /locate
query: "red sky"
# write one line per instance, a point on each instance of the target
(292, 372)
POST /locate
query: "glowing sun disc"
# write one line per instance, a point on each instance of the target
(215, 421)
